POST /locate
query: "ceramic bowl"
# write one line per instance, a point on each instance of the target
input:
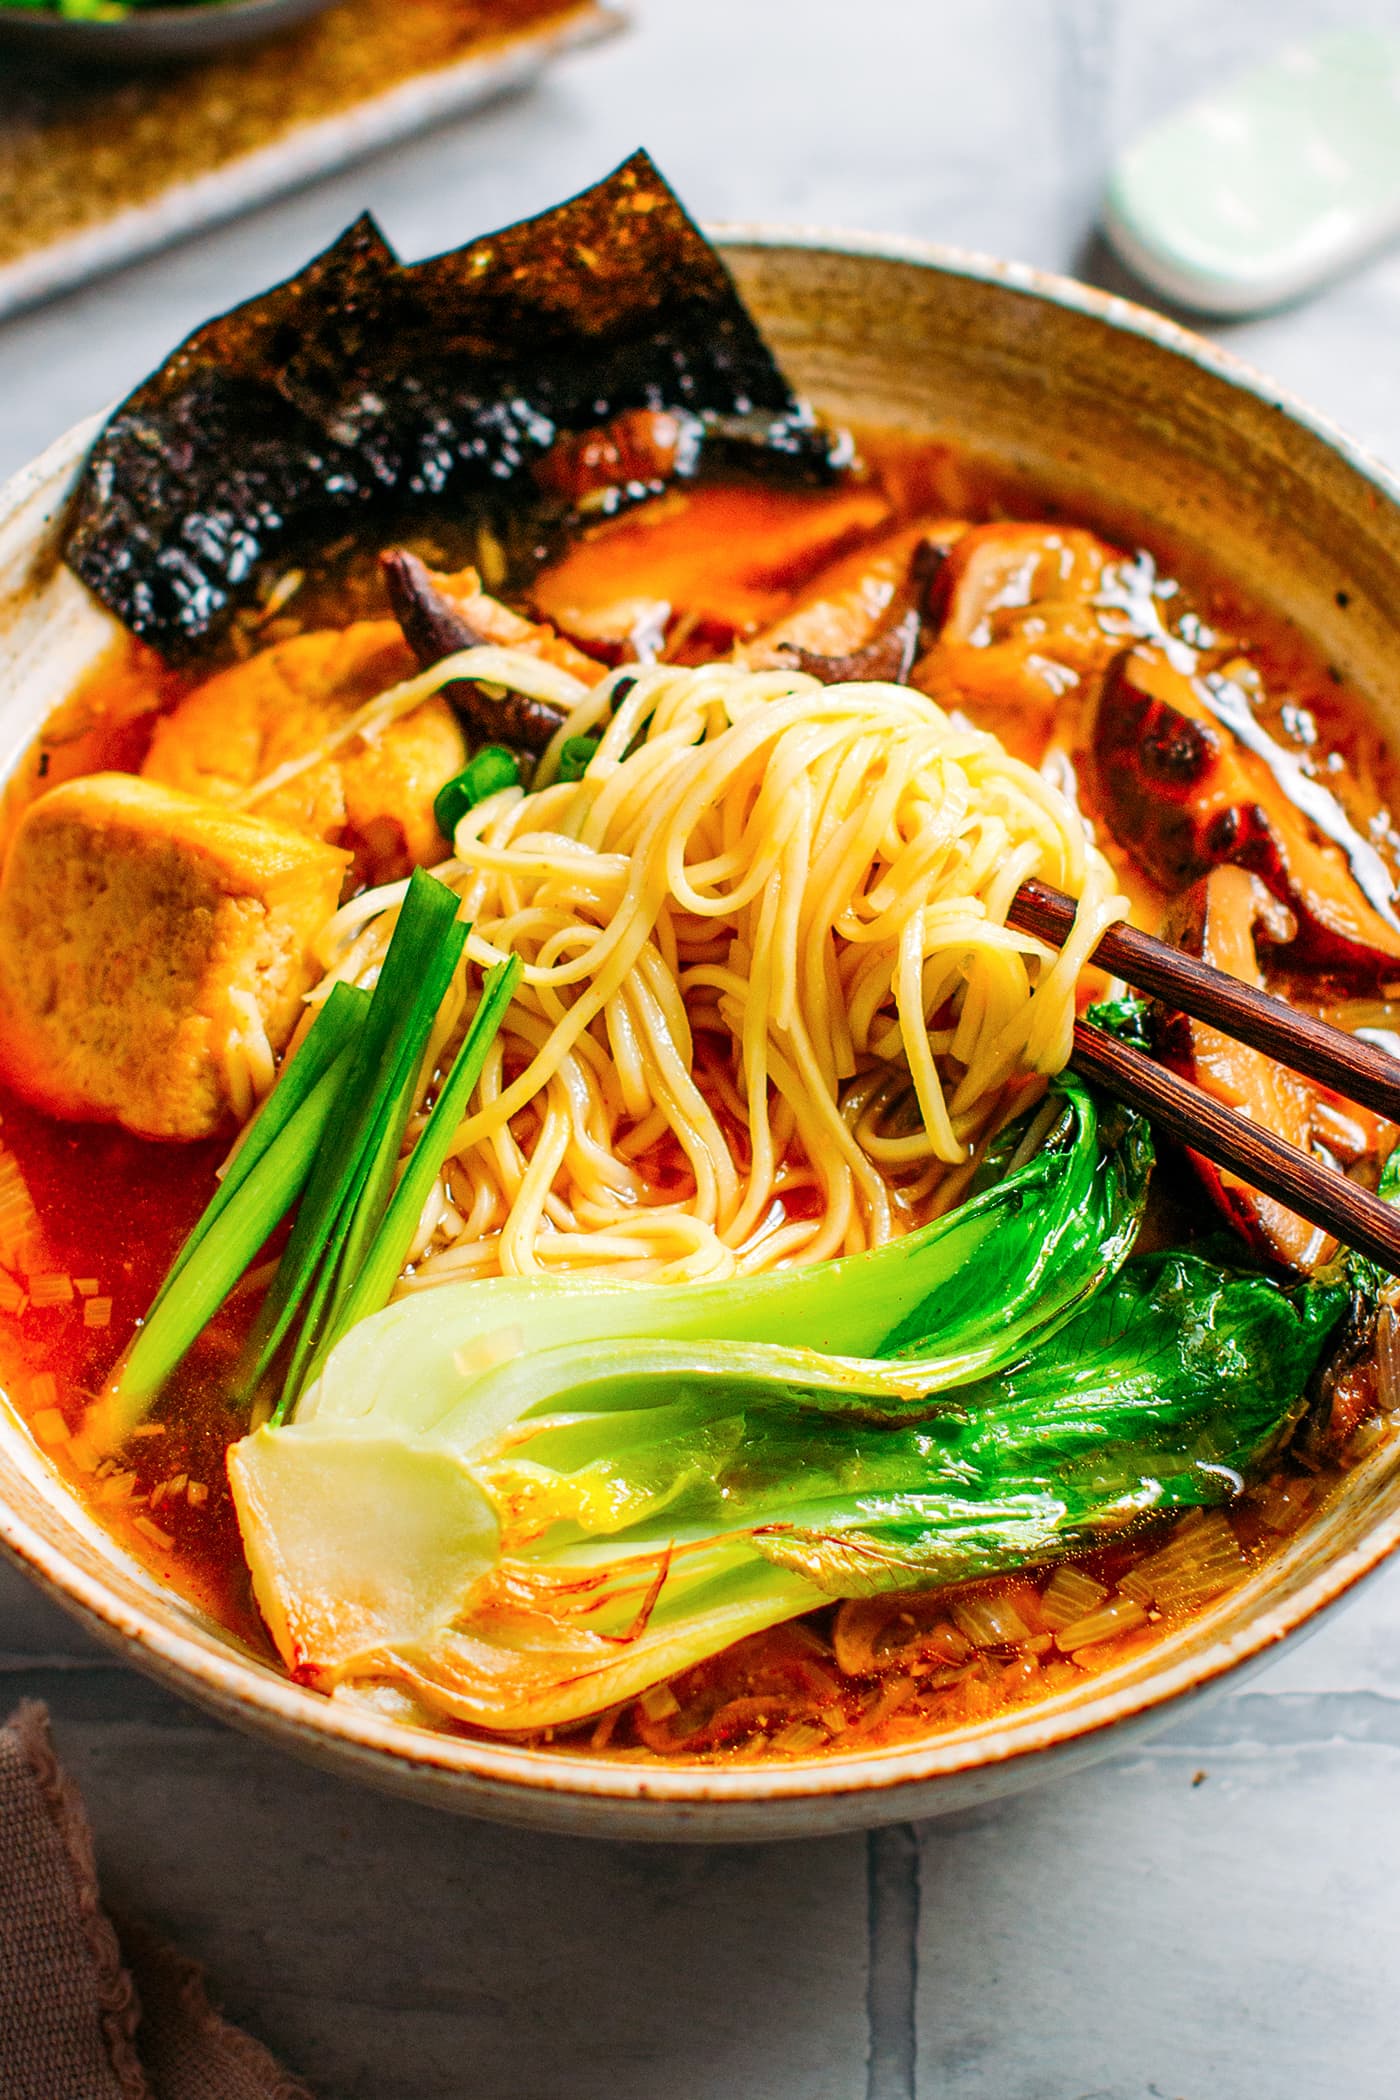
(1129, 419)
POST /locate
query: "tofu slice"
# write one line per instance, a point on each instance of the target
(154, 953)
(250, 719)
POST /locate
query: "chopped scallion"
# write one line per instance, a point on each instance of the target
(225, 1248)
(327, 1037)
(575, 756)
(492, 768)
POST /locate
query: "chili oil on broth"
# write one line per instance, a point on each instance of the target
(109, 1210)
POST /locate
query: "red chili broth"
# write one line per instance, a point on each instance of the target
(114, 1210)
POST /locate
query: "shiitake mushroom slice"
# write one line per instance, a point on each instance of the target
(1219, 919)
(434, 628)
(1183, 796)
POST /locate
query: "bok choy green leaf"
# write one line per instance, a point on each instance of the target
(578, 1556)
(950, 1302)
(527, 1499)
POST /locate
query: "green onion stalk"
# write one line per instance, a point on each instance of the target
(328, 1143)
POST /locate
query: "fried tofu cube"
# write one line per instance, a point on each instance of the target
(154, 953)
(252, 719)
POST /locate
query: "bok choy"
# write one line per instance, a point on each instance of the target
(523, 1500)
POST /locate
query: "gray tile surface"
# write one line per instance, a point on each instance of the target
(1214, 1918)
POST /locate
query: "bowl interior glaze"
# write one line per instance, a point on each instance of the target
(1129, 420)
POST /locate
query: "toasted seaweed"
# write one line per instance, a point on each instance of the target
(364, 381)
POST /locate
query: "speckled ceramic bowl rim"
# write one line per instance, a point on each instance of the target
(243, 1690)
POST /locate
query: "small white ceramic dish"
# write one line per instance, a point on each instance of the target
(1132, 421)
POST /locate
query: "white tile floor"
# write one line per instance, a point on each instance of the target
(1213, 1918)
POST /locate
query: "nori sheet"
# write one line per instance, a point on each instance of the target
(364, 381)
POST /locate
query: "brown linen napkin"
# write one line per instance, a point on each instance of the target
(86, 2014)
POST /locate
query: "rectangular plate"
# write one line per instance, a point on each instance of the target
(94, 174)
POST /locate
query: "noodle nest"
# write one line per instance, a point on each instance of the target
(771, 1010)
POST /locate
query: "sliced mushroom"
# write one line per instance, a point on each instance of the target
(1183, 796)
(1219, 920)
(639, 450)
(855, 602)
(435, 627)
(888, 657)
(998, 574)
(1347, 1389)
(1018, 629)
(715, 563)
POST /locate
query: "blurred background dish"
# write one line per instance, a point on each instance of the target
(101, 165)
(149, 34)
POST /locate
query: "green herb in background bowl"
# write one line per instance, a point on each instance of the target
(139, 32)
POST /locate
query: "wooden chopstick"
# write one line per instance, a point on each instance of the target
(1319, 1194)
(1300, 1041)
(1267, 1162)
